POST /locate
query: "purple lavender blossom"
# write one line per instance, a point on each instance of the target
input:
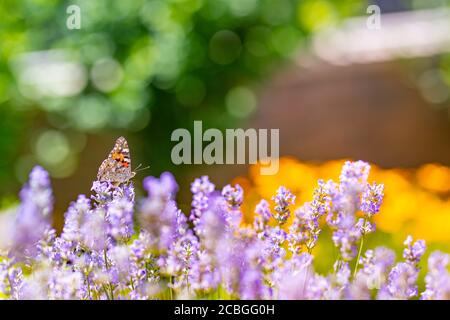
(11, 279)
(65, 284)
(201, 190)
(165, 186)
(94, 231)
(143, 273)
(305, 227)
(34, 214)
(105, 192)
(413, 251)
(331, 287)
(345, 200)
(252, 278)
(180, 260)
(342, 273)
(234, 196)
(261, 219)
(120, 218)
(321, 288)
(74, 218)
(437, 280)
(337, 204)
(402, 280)
(120, 258)
(283, 199)
(352, 182)
(46, 246)
(378, 262)
(359, 289)
(274, 243)
(371, 199)
(365, 226)
(374, 274)
(346, 238)
(204, 276)
(159, 214)
(231, 260)
(401, 283)
(354, 176)
(36, 286)
(213, 226)
(295, 278)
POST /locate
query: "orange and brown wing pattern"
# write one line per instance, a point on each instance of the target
(117, 167)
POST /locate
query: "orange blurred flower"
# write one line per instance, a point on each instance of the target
(416, 202)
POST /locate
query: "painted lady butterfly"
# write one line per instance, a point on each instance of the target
(117, 167)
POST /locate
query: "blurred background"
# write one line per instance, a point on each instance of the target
(336, 88)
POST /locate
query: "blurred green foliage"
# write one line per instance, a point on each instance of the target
(140, 67)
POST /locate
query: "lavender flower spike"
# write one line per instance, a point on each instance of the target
(262, 217)
(413, 251)
(438, 278)
(34, 214)
(234, 197)
(371, 199)
(201, 189)
(354, 176)
(283, 199)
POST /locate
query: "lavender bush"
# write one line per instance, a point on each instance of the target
(114, 247)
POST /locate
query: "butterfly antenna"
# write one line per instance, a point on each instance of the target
(138, 168)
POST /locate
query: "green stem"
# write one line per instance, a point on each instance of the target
(359, 255)
(132, 283)
(170, 288)
(89, 288)
(111, 289)
(106, 259)
(106, 292)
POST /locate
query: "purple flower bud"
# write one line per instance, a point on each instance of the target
(283, 199)
(234, 196)
(372, 198)
(414, 251)
(262, 217)
(305, 228)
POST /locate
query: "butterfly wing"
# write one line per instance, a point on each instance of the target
(117, 167)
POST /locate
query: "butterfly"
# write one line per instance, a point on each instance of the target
(117, 167)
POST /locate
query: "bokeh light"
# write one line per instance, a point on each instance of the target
(241, 102)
